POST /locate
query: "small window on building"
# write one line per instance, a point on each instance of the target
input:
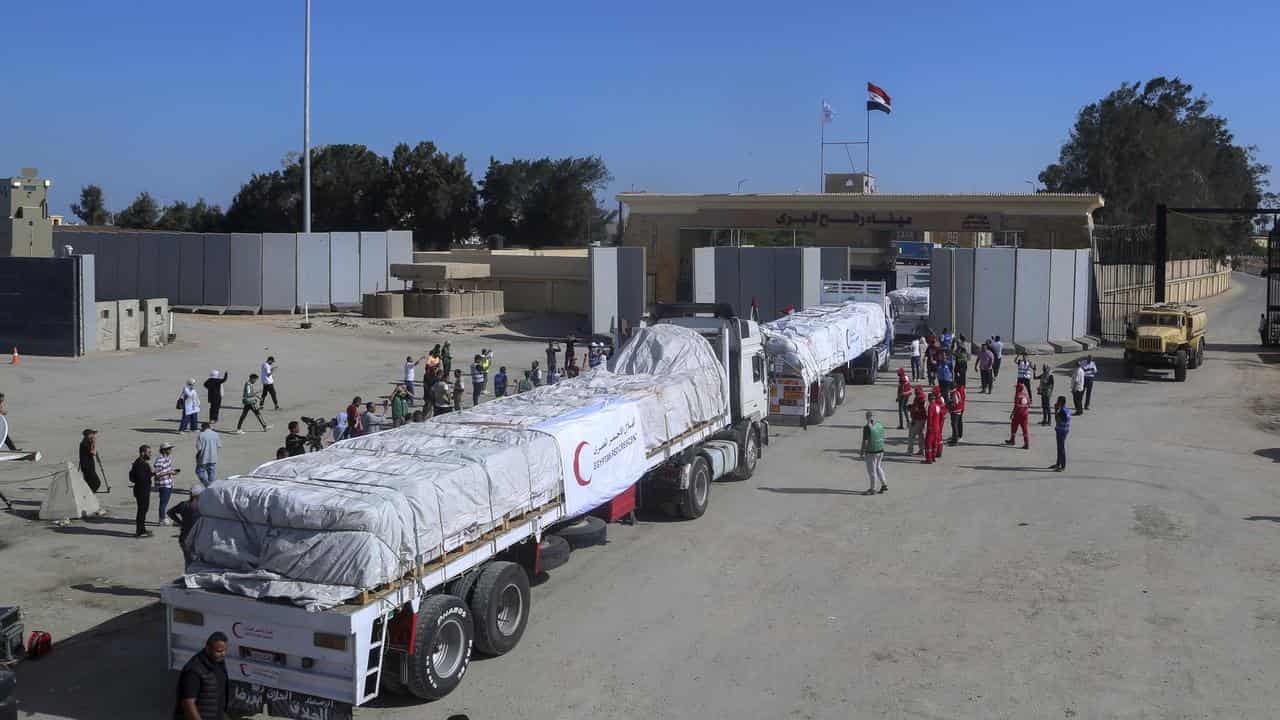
(905, 236)
(106, 314)
(952, 238)
(1008, 238)
(982, 239)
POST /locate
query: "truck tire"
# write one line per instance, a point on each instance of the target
(391, 681)
(817, 407)
(553, 552)
(586, 531)
(884, 364)
(500, 606)
(840, 388)
(748, 453)
(1200, 353)
(694, 499)
(1180, 366)
(1193, 358)
(441, 647)
(829, 400)
(461, 587)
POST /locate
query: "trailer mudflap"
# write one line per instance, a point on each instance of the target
(250, 699)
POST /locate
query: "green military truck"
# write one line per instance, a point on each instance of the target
(1166, 335)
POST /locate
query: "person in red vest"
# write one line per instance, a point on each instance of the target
(955, 403)
(1018, 418)
(919, 413)
(904, 396)
(933, 427)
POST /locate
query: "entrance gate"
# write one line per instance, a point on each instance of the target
(1125, 274)
(1271, 332)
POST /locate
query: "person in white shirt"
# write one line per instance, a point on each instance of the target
(410, 370)
(189, 399)
(269, 383)
(917, 344)
(164, 473)
(1090, 372)
(1077, 387)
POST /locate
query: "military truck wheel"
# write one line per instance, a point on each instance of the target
(1193, 358)
(1180, 366)
(840, 389)
(1200, 354)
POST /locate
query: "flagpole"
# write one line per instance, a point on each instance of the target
(822, 143)
(868, 141)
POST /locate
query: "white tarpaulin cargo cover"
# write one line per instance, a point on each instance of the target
(318, 528)
(910, 301)
(813, 341)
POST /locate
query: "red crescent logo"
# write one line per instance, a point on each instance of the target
(235, 630)
(577, 465)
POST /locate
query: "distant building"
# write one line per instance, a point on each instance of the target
(26, 229)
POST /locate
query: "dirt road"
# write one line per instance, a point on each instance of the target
(1139, 583)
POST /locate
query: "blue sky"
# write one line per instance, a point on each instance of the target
(187, 99)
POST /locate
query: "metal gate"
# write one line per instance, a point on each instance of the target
(1270, 333)
(1125, 274)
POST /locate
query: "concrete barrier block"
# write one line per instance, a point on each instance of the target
(155, 323)
(106, 340)
(128, 324)
(368, 304)
(466, 304)
(449, 305)
(389, 305)
(499, 302)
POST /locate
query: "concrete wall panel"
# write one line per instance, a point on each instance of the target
(1031, 297)
(1083, 286)
(107, 339)
(128, 324)
(940, 288)
(155, 321)
(190, 269)
(631, 273)
(150, 270)
(373, 262)
(602, 281)
(704, 274)
(993, 293)
(245, 270)
(313, 270)
(169, 260)
(126, 248)
(106, 270)
(88, 305)
(217, 270)
(728, 281)
(835, 263)
(399, 250)
(964, 278)
(1062, 276)
(787, 268)
(811, 277)
(344, 268)
(279, 272)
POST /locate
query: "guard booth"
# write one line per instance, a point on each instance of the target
(1270, 334)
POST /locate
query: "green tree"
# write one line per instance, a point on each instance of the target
(268, 202)
(431, 194)
(92, 209)
(349, 186)
(545, 201)
(200, 217)
(1143, 145)
(142, 213)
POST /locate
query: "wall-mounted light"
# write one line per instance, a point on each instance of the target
(17, 183)
(48, 183)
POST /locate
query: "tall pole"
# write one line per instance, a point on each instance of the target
(306, 126)
(868, 142)
(822, 144)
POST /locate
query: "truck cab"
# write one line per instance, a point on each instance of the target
(1166, 335)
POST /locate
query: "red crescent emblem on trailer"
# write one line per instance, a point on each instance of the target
(578, 466)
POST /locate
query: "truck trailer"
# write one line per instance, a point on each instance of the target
(816, 352)
(379, 563)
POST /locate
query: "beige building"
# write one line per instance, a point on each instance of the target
(671, 225)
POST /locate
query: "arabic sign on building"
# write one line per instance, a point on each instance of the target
(888, 220)
(980, 222)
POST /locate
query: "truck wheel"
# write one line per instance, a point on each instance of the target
(553, 552)
(1193, 359)
(840, 389)
(829, 400)
(1200, 354)
(748, 454)
(817, 406)
(441, 648)
(694, 500)
(586, 531)
(461, 587)
(500, 606)
(1180, 366)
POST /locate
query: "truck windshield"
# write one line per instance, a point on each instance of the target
(1167, 320)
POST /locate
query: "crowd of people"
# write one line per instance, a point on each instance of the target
(944, 360)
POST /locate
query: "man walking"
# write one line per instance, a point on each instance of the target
(955, 404)
(1018, 418)
(295, 443)
(457, 390)
(89, 459)
(1062, 426)
(986, 361)
(249, 401)
(1025, 371)
(1046, 394)
(960, 353)
(269, 383)
(190, 401)
(997, 349)
(904, 397)
(203, 690)
(1090, 373)
(184, 515)
(917, 348)
(945, 374)
(479, 378)
(919, 415)
(500, 382)
(213, 389)
(164, 474)
(1077, 386)
(140, 477)
(933, 427)
(873, 453)
(208, 443)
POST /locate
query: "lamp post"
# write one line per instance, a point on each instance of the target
(306, 124)
(1032, 183)
(743, 180)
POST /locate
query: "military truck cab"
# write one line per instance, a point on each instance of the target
(1166, 335)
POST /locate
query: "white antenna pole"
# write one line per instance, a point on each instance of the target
(306, 126)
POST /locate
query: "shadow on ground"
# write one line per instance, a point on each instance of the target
(809, 491)
(1272, 454)
(114, 670)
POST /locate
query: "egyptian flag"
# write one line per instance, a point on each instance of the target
(878, 99)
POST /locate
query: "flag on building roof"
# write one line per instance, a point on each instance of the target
(827, 112)
(878, 99)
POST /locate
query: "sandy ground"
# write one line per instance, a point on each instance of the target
(1140, 583)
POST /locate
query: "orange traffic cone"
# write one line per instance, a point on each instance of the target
(15, 359)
